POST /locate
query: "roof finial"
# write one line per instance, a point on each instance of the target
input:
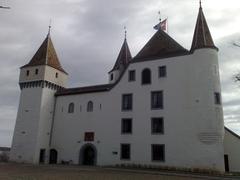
(200, 3)
(49, 27)
(160, 18)
(125, 32)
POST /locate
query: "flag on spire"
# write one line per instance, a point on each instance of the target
(162, 25)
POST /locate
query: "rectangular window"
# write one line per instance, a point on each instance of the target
(157, 126)
(89, 136)
(162, 71)
(111, 77)
(126, 126)
(157, 100)
(127, 102)
(28, 72)
(36, 71)
(158, 152)
(217, 98)
(125, 151)
(131, 75)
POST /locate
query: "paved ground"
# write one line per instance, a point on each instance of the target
(30, 172)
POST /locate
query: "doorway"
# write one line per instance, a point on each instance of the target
(88, 155)
(53, 156)
(42, 156)
(226, 162)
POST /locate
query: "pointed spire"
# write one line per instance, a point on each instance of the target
(124, 56)
(46, 55)
(202, 37)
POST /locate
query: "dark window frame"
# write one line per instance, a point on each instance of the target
(111, 77)
(217, 98)
(128, 107)
(162, 71)
(161, 102)
(158, 158)
(71, 108)
(146, 76)
(27, 73)
(124, 129)
(56, 75)
(36, 71)
(153, 129)
(131, 75)
(90, 106)
(125, 157)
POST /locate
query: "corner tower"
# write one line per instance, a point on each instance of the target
(39, 80)
(206, 91)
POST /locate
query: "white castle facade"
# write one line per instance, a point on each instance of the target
(161, 107)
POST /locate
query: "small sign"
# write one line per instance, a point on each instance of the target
(89, 136)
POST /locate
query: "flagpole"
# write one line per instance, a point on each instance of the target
(167, 26)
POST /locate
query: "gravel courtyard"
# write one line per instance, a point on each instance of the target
(46, 172)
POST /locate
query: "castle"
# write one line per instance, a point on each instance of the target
(162, 107)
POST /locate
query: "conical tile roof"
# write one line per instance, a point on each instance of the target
(202, 37)
(124, 57)
(46, 55)
(161, 45)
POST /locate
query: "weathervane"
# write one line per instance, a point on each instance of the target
(160, 18)
(125, 32)
(49, 27)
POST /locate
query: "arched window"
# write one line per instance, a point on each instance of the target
(146, 76)
(90, 106)
(71, 108)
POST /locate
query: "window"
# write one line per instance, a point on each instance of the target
(217, 98)
(126, 126)
(126, 102)
(146, 76)
(90, 106)
(131, 75)
(111, 77)
(56, 75)
(125, 151)
(158, 152)
(71, 108)
(157, 100)
(36, 71)
(28, 72)
(89, 136)
(157, 126)
(162, 71)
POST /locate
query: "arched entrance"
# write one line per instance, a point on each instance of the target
(53, 156)
(88, 155)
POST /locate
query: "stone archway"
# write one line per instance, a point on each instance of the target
(88, 155)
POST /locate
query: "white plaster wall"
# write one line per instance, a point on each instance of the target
(24, 145)
(44, 73)
(115, 74)
(193, 132)
(35, 115)
(232, 149)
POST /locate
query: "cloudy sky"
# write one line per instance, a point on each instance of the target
(87, 35)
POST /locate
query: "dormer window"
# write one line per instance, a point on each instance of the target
(28, 72)
(36, 71)
(56, 75)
